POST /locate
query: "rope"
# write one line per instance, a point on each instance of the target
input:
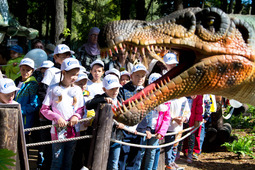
(49, 126)
(153, 135)
(58, 141)
(159, 146)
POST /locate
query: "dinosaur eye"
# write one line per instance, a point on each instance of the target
(212, 24)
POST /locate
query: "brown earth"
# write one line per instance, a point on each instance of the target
(220, 160)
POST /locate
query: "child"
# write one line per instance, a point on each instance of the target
(160, 122)
(7, 91)
(82, 148)
(27, 95)
(180, 113)
(170, 60)
(64, 102)
(113, 71)
(51, 76)
(124, 77)
(131, 156)
(12, 67)
(111, 87)
(45, 65)
(95, 86)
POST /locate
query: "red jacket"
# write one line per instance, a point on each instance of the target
(196, 110)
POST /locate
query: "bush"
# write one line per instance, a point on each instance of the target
(5, 159)
(243, 146)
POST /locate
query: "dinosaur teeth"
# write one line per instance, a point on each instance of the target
(125, 108)
(129, 105)
(116, 49)
(120, 46)
(110, 52)
(133, 103)
(135, 49)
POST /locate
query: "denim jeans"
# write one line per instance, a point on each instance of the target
(150, 153)
(170, 151)
(155, 164)
(114, 155)
(130, 158)
(202, 137)
(62, 154)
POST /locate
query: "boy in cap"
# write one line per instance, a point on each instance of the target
(170, 60)
(27, 95)
(95, 86)
(113, 71)
(124, 77)
(111, 87)
(7, 91)
(131, 156)
(12, 67)
(45, 65)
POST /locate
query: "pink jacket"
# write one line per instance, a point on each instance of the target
(163, 121)
(196, 110)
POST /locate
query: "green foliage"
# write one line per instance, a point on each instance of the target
(243, 146)
(5, 159)
(66, 32)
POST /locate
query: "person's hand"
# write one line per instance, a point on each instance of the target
(158, 136)
(120, 126)
(62, 122)
(109, 100)
(135, 132)
(196, 124)
(148, 134)
(178, 120)
(15, 64)
(183, 119)
(73, 121)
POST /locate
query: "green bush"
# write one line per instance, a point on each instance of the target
(243, 146)
(5, 159)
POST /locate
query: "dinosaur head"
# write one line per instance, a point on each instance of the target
(216, 56)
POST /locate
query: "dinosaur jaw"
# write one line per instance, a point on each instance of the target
(212, 75)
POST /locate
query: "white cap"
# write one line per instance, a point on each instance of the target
(100, 62)
(152, 64)
(83, 69)
(170, 58)
(110, 82)
(27, 61)
(7, 86)
(47, 64)
(62, 48)
(139, 67)
(113, 71)
(139, 88)
(153, 77)
(70, 63)
(125, 73)
(81, 76)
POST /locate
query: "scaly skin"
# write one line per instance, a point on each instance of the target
(216, 56)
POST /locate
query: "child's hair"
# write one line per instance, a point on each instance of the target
(60, 97)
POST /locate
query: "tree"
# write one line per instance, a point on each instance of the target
(59, 20)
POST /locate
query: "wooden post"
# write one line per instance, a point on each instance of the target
(102, 137)
(12, 135)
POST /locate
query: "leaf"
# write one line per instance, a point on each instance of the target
(5, 159)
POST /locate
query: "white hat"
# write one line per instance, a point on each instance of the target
(113, 71)
(125, 73)
(100, 62)
(47, 64)
(83, 69)
(111, 81)
(170, 58)
(81, 76)
(153, 77)
(7, 86)
(139, 67)
(152, 64)
(27, 61)
(70, 63)
(62, 48)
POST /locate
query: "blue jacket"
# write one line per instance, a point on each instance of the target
(127, 91)
(28, 99)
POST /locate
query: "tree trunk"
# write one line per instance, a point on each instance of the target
(53, 24)
(253, 7)
(69, 19)
(59, 20)
(22, 16)
(230, 9)
(224, 5)
(140, 9)
(238, 7)
(178, 5)
(125, 9)
(48, 20)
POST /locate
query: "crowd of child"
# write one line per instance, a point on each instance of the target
(67, 94)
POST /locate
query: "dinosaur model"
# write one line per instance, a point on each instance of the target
(216, 56)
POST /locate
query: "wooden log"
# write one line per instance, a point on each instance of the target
(102, 143)
(12, 134)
